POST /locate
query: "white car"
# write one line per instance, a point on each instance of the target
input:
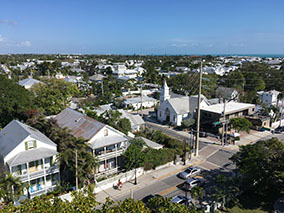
(189, 172)
(193, 182)
(181, 199)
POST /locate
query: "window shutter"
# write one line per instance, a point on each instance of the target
(34, 143)
(26, 145)
(51, 161)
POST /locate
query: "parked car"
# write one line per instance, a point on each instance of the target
(181, 199)
(148, 197)
(278, 130)
(189, 172)
(193, 182)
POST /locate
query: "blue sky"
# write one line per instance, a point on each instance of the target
(142, 27)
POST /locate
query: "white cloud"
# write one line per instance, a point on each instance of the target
(6, 42)
(177, 42)
(24, 44)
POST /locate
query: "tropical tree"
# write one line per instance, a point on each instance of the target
(66, 146)
(11, 188)
(241, 124)
(197, 193)
(225, 191)
(134, 156)
(53, 96)
(14, 101)
(188, 123)
(261, 167)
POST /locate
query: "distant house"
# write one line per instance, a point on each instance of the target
(175, 110)
(259, 122)
(268, 98)
(106, 143)
(135, 103)
(136, 121)
(31, 156)
(227, 92)
(29, 82)
(151, 144)
(97, 77)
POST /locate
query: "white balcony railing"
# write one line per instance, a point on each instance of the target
(111, 154)
(40, 173)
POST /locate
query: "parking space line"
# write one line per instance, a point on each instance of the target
(176, 171)
(167, 191)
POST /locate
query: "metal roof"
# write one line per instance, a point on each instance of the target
(231, 107)
(28, 82)
(15, 132)
(150, 143)
(79, 124)
(31, 155)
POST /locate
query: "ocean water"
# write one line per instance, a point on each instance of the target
(254, 55)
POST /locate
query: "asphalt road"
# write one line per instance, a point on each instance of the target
(174, 133)
(218, 162)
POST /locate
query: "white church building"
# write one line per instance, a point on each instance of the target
(175, 110)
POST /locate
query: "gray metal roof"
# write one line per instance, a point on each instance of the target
(31, 155)
(15, 132)
(29, 82)
(97, 77)
(138, 100)
(134, 119)
(109, 140)
(150, 143)
(79, 124)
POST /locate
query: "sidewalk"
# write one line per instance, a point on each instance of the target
(144, 180)
(249, 138)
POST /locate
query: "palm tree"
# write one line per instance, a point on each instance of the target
(11, 188)
(197, 193)
(226, 190)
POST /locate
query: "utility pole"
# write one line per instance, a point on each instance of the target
(141, 95)
(135, 180)
(76, 167)
(224, 122)
(102, 86)
(198, 111)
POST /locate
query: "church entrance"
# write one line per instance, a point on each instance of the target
(167, 115)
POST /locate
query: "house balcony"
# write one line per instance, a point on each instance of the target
(42, 191)
(39, 173)
(110, 154)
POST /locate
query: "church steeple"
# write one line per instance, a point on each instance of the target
(165, 92)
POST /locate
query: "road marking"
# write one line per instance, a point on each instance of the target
(167, 191)
(176, 171)
(212, 153)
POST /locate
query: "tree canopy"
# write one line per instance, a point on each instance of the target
(261, 168)
(14, 101)
(241, 124)
(53, 96)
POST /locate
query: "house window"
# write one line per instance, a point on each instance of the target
(105, 132)
(160, 114)
(30, 145)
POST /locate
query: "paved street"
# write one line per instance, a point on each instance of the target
(170, 186)
(213, 159)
